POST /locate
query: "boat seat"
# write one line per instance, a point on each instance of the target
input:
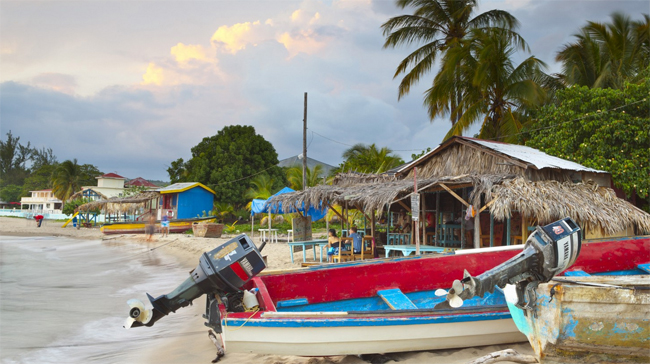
(576, 273)
(396, 300)
(644, 267)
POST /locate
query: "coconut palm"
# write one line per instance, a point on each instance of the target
(607, 54)
(67, 179)
(442, 25)
(369, 159)
(262, 187)
(495, 90)
(294, 176)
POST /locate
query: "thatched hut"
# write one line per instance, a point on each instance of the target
(139, 204)
(510, 188)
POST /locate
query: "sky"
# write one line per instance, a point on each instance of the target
(130, 86)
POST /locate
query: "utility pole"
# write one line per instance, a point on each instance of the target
(304, 147)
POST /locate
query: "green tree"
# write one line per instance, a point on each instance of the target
(13, 160)
(496, 92)
(368, 159)
(177, 171)
(10, 193)
(442, 26)
(607, 54)
(294, 176)
(225, 162)
(595, 128)
(39, 179)
(69, 176)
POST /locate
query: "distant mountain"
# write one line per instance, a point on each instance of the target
(311, 163)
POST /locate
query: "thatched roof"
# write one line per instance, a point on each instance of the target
(552, 200)
(375, 195)
(545, 200)
(121, 204)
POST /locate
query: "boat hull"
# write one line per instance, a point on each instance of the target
(587, 324)
(356, 336)
(136, 227)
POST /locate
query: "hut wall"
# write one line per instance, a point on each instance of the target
(193, 202)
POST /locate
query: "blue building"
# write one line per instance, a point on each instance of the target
(186, 200)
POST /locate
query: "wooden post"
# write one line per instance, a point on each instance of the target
(462, 224)
(491, 229)
(304, 148)
(508, 231)
(415, 222)
(477, 228)
(252, 224)
(524, 229)
(437, 214)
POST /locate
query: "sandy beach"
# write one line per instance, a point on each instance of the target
(197, 348)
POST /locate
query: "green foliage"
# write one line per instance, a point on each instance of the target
(418, 155)
(368, 159)
(227, 161)
(441, 26)
(10, 193)
(222, 211)
(607, 54)
(39, 179)
(585, 128)
(69, 176)
(13, 159)
(294, 176)
(71, 206)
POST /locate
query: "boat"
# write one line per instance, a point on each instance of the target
(138, 227)
(359, 307)
(590, 318)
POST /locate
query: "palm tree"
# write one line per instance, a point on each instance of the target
(605, 55)
(261, 188)
(493, 88)
(368, 159)
(442, 25)
(294, 176)
(223, 210)
(67, 179)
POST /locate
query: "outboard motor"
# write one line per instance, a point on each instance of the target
(223, 270)
(549, 250)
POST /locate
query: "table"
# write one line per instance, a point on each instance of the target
(305, 245)
(408, 249)
(273, 234)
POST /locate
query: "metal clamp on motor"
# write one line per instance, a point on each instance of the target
(549, 250)
(223, 270)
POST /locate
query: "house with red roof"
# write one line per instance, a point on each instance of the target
(108, 185)
(139, 182)
(42, 201)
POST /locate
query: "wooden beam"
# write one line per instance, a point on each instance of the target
(408, 208)
(455, 195)
(487, 205)
(333, 209)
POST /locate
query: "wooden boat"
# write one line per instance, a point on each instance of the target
(590, 319)
(385, 306)
(137, 227)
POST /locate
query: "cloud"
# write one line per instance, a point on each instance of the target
(186, 53)
(153, 75)
(234, 38)
(56, 81)
(304, 41)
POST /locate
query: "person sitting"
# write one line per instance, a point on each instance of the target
(356, 240)
(333, 244)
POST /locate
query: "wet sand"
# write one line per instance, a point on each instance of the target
(197, 348)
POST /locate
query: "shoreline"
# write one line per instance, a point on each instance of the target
(187, 249)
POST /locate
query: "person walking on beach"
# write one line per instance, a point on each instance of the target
(164, 223)
(150, 227)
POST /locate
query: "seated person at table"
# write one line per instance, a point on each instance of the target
(356, 240)
(431, 223)
(333, 244)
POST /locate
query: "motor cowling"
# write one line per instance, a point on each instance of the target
(224, 269)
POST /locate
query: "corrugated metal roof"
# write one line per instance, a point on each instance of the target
(533, 156)
(182, 186)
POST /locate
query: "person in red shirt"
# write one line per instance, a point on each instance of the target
(39, 220)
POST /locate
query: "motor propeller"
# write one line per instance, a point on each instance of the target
(549, 250)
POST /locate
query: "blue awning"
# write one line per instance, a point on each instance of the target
(259, 206)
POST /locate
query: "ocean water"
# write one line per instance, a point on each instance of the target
(64, 300)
